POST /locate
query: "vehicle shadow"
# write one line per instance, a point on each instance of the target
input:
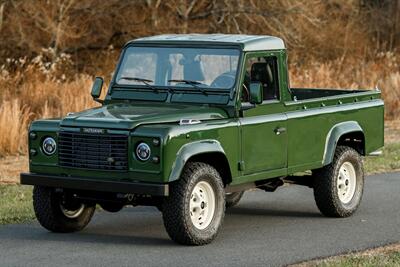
(270, 212)
(95, 235)
(143, 227)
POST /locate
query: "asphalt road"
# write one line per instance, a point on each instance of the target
(265, 229)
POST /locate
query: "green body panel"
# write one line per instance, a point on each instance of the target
(310, 131)
(128, 116)
(298, 132)
(262, 148)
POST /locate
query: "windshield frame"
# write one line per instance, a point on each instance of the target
(176, 89)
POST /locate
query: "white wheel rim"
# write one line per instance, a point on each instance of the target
(346, 182)
(72, 214)
(202, 205)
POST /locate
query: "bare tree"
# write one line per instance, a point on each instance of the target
(51, 23)
(1, 14)
(87, 27)
(383, 20)
(154, 6)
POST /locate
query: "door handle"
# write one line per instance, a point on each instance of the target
(279, 130)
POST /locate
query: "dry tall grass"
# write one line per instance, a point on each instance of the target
(14, 119)
(37, 89)
(38, 99)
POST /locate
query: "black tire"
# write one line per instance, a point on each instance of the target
(176, 208)
(159, 207)
(232, 199)
(47, 207)
(111, 207)
(326, 185)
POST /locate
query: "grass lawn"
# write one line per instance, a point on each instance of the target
(386, 259)
(15, 204)
(383, 256)
(387, 162)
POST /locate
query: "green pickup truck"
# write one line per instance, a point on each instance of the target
(188, 124)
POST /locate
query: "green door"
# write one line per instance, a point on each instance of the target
(264, 126)
(264, 140)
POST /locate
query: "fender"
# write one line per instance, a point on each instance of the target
(192, 149)
(334, 135)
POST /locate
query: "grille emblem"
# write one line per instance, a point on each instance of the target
(110, 160)
(93, 130)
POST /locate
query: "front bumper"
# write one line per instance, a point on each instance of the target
(94, 185)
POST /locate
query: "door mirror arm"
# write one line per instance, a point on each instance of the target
(246, 106)
(101, 101)
(96, 89)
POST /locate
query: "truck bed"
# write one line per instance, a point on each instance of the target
(312, 113)
(311, 93)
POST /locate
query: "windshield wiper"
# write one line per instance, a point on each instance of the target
(192, 83)
(142, 80)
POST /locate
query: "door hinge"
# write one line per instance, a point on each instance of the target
(241, 166)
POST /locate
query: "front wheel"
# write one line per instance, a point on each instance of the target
(59, 214)
(195, 208)
(338, 187)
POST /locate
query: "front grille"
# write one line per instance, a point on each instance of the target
(93, 151)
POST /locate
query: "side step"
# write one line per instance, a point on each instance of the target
(270, 185)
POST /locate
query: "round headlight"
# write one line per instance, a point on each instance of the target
(49, 146)
(143, 151)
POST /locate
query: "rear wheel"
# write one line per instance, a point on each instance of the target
(57, 213)
(195, 208)
(232, 199)
(338, 187)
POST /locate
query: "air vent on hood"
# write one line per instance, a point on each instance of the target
(188, 122)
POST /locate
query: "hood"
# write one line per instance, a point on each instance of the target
(130, 115)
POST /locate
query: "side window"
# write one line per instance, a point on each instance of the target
(265, 71)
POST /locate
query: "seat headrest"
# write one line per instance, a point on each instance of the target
(261, 72)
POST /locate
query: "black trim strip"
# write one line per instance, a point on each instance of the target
(94, 185)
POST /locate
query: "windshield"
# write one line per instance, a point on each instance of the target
(179, 67)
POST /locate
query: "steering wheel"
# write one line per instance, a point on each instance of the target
(225, 80)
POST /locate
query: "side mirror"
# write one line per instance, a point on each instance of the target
(96, 88)
(256, 93)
